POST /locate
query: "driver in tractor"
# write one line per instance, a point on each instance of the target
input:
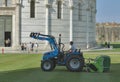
(72, 47)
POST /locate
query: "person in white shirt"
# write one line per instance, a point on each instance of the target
(72, 47)
(36, 47)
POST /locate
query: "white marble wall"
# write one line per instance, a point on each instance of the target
(12, 9)
(59, 26)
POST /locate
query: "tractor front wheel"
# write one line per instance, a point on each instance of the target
(47, 65)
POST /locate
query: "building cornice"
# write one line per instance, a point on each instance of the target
(7, 8)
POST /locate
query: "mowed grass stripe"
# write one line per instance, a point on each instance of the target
(19, 62)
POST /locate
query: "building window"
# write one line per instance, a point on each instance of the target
(1, 3)
(5, 3)
(59, 9)
(32, 9)
(91, 13)
(8, 3)
(79, 12)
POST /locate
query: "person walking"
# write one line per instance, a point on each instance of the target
(32, 45)
(36, 47)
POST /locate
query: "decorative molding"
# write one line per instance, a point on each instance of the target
(48, 5)
(7, 8)
(18, 3)
(36, 1)
(88, 9)
(29, 1)
(72, 7)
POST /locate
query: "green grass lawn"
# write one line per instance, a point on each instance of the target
(115, 45)
(107, 50)
(26, 68)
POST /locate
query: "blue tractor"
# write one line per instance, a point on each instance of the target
(73, 61)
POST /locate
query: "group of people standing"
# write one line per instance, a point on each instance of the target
(30, 47)
(107, 44)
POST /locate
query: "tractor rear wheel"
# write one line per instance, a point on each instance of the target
(75, 63)
(47, 65)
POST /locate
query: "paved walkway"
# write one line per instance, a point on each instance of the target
(102, 51)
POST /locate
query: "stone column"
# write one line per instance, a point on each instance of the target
(47, 6)
(16, 25)
(87, 24)
(71, 19)
(14, 30)
(71, 23)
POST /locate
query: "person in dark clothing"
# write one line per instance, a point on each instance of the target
(108, 45)
(22, 46)
(32, 45)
